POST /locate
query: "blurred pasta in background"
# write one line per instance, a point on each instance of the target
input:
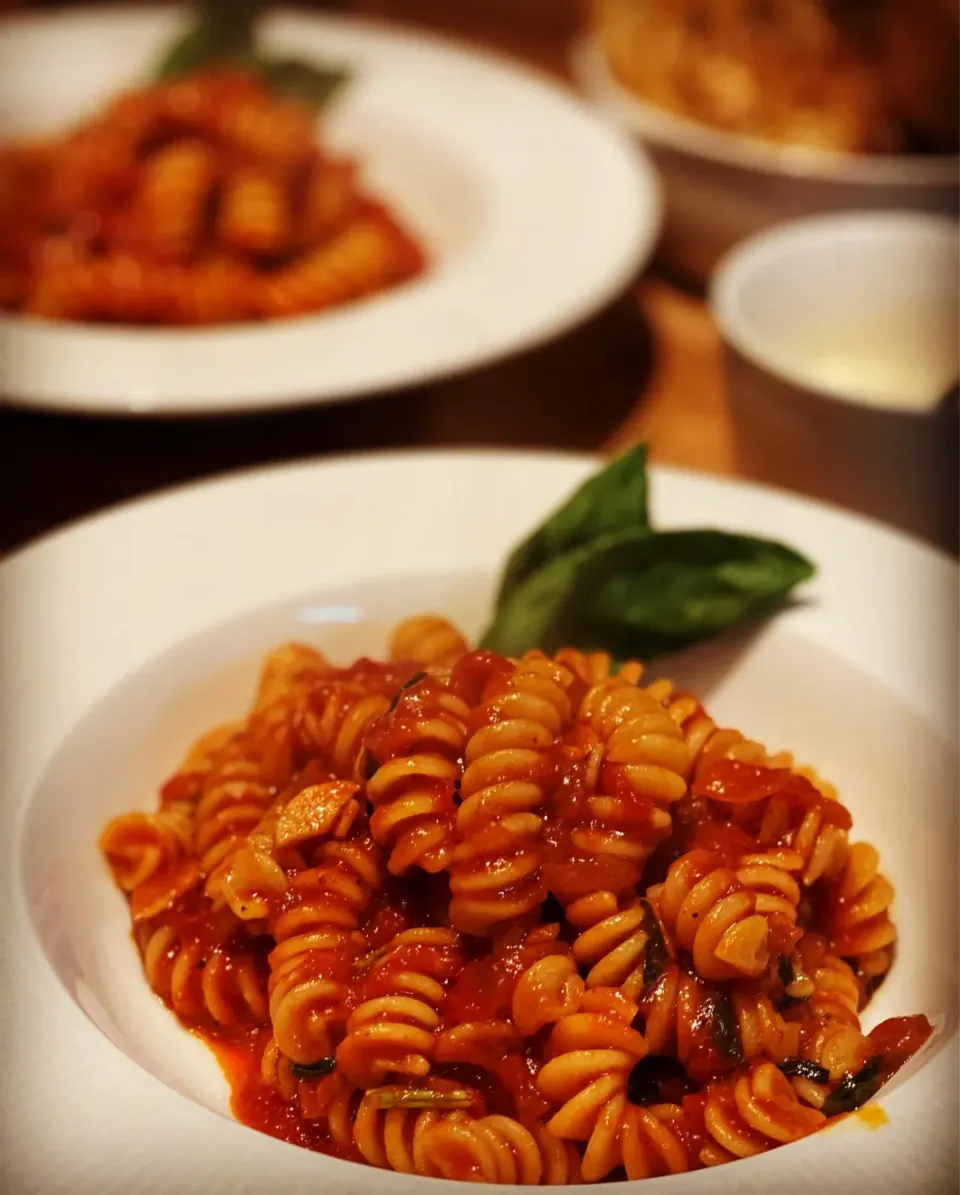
(202, 200)
(827, 74)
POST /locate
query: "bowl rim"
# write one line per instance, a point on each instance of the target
(762, 250)
(660, 127)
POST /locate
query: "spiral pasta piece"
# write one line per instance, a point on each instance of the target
(418, 746)
(652, 1141)
(756, 1111)
(673, 1009)
(138, 845)
(769, 875)
(327, 1098)
(592, 1052)
(763, 1031)
(253, 876)
(203, 980)
(114, 286)
(714, 916)
(427, 639)
(831, 1033)
(859, 918)
(839, 1048)
(261, 127)
(316, 930)
(233, 800)
(395, 1138)
(611, 942)
(827, 983)
(711, 1030)
(498, 1149)
(217, 290)
(329, 203)
(547, 991)
(362, 259)
(707, 742)
(253, 216)
(495, 872)
(593, 667)
(289, 672)
(806, 823)
(335, 720)
(392, 1030)
(175, 187)
(645, 761)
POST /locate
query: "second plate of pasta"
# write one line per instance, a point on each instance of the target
(204, 241)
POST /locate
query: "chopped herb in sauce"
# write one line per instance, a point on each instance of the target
(313, 1070)
(657, 1079)
(787, 976)
(726, 1032)
(407, 684)
(414, 1097)
(551, 910)
(800, 1068)
(655, 953)
(854, 1090)
(369, 764)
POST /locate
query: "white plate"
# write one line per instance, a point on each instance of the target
(124, 634)
(533, 210)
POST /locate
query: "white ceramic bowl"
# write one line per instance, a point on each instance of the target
(841, 334)
(125, 633)
(721, 187)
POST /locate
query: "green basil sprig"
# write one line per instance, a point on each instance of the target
(225, 32)
(597, 576)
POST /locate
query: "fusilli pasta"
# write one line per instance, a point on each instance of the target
(202, 200)
(510, 920)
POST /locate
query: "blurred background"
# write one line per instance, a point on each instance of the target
(872, 80)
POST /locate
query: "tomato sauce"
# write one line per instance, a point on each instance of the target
(897, 1040)
(256, 1104)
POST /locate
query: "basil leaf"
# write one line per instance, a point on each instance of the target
(222, 31)
(687, 585)
(639, 593)
(225, 31)
(313, 1070)
(315, 85)
(540, 612)
(613, 500)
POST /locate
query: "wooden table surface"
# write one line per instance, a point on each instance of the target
(648, 366)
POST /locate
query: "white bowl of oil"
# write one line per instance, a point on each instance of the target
(841, 337)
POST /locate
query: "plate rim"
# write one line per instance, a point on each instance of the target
(360, 456)
(641, 216)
